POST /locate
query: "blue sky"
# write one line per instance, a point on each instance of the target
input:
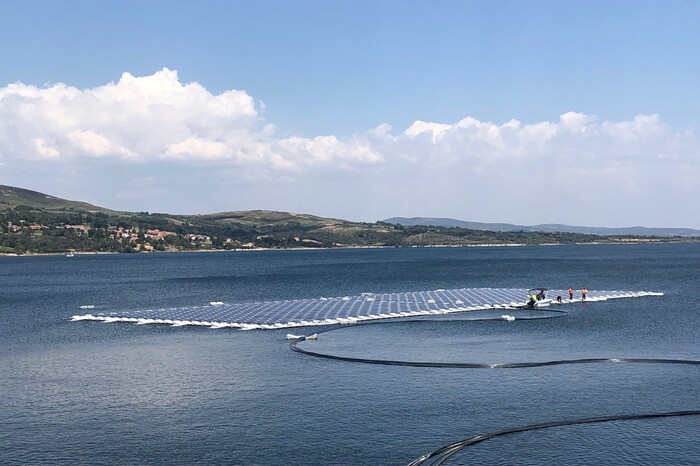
(360, 110)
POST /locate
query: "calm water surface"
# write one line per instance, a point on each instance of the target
(87, 393)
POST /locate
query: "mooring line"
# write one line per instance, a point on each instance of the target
(442, 454)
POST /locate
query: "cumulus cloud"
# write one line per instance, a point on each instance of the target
(574, 135)
(174, 131)
(157, 117)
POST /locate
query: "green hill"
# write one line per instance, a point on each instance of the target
(33, 222)
(11, 197)
(266, 218)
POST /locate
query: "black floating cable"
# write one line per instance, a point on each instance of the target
(442, 454)
(480, 365)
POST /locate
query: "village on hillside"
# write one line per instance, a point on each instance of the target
(34, 223)
(26, 229)
(132, 238)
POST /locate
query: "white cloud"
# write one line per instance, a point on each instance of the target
(43, 149)
(432, 130)
(328, 150)
(171, 127)
(575, 122)
(137, 118)
(193, 147)
(575, 139)
(157, 117)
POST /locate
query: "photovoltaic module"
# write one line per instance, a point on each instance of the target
(343, 310)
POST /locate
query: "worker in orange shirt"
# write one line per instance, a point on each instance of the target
(583, 293)
(571, 293)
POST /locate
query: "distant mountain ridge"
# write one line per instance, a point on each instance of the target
(547, 227)
(33, 222)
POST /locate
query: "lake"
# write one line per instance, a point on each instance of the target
(90, 393)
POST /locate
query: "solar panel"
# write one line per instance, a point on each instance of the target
(342, 310)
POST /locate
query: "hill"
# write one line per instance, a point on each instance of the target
(32, 222)
(546, 228)
(11, 197)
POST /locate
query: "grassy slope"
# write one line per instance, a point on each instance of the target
(282, 229)
(11, 197)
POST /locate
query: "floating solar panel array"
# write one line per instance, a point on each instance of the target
(342, 310)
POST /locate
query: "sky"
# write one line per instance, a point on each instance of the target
(527, 112)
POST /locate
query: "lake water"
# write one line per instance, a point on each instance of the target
(88, 393)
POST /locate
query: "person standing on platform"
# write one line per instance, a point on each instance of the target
(583, 293)
(571, 293)
(532, 300)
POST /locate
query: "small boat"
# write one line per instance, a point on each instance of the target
(537, 298)
(70, 254)
(291, 336)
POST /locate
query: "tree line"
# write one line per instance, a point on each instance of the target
(99, 233)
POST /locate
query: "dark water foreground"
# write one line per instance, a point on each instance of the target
(86, 393)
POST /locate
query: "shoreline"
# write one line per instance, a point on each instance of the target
(485, 245)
